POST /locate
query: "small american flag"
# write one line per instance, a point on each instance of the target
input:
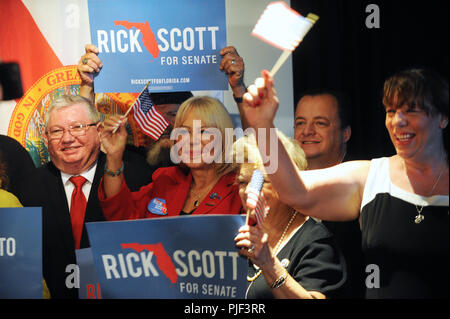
(283, 27)
(150, 121)
(255, 197)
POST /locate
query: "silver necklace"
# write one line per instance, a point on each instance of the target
(419, 217)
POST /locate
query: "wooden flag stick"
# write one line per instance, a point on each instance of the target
(248, 217)
(283, 58)
(131, 106)
(312, 18)
(128, 111)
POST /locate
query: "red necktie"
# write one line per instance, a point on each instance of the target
(77, 209)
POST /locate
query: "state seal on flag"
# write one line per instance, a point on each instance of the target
(27, 120)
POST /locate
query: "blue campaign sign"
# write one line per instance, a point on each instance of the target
(173, 44)
(173, 257)
(88, 282)
(21, 252)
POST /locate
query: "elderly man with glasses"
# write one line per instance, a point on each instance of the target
(66, 187)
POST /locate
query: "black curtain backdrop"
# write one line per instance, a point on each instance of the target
(340, 52)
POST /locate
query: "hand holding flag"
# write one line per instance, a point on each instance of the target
(150, 121)
(114, 136)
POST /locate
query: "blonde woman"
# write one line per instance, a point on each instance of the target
(291, 255)
(202, 183)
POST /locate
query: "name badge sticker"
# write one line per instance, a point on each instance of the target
(157, 206)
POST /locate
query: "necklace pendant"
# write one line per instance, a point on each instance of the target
(196, 203)
(419, 218)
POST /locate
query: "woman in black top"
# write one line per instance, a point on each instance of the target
(402, 201)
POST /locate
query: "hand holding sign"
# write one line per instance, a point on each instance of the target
(233, 66)
(89, 64)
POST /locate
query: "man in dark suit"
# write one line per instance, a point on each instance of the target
(72, 138)
(322, 127)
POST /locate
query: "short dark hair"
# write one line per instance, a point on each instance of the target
(423, 88)
(343, 102)
(170, 97)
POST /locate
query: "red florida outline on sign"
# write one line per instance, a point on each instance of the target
(163, 260)
(148, 37)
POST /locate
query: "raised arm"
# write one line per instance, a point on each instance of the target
(114, 145)
(88, 65)
(233, 66)
(330, 194)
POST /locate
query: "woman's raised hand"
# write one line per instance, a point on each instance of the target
(261, 102)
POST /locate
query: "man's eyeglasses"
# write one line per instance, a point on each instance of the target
(74, 130)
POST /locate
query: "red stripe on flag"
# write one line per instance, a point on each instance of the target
(148, 130)
(252, 199)
(154, 120)
(260, 209)
(153, 123)
(23, 42)
(149, 122)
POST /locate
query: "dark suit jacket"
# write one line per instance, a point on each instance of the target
(47, 191)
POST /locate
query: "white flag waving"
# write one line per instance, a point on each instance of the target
(283, 27)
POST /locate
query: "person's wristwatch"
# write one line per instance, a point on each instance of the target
(238, 99)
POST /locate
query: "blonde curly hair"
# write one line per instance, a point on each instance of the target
(246, 148)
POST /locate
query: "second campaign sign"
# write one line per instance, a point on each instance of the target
(173, 44)
(173, 257)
